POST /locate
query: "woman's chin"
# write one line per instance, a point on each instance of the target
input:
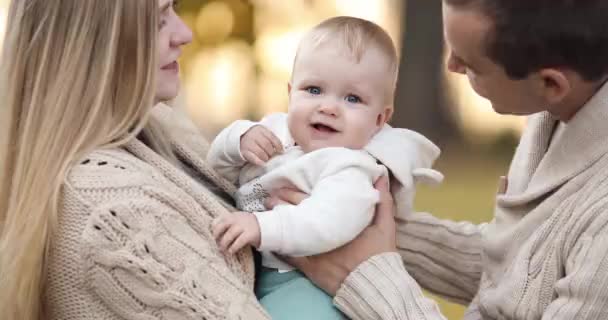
(166, 93)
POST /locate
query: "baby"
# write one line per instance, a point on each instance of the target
(333, 144)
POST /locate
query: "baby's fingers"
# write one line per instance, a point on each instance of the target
(239, 243)
(229, 237)
(220, 225)
(251, 157)
(265, 145)
(274, 141)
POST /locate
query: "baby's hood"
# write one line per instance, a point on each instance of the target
(409, 156)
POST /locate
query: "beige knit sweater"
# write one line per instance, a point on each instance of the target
(543, 256)
(134, 240)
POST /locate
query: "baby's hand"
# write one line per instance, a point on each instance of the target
(234, 231)
(259, 144)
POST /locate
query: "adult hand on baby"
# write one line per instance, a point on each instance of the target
(329, 270)
(233, 231)
(259, 144)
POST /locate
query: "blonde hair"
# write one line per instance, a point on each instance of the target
(356, 36)
(75, 76)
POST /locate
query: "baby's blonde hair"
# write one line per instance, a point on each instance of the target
(356, 36)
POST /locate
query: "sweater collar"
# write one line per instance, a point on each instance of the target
(188, 144)
(543, 163)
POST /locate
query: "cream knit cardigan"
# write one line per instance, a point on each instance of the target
(134, 240)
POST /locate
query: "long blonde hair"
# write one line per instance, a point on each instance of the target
(75, 75)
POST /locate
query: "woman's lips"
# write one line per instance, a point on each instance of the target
(173, 66)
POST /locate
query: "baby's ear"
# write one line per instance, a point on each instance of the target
(388, 113)
(427, 176)
(384, 117)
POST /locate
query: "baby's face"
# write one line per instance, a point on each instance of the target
(335, 101)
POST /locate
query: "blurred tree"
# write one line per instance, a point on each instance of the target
(421, 98)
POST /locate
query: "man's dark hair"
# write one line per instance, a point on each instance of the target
(529, 35)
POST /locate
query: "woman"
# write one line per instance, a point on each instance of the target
(106, 203)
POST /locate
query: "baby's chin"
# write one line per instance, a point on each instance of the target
(311, 146)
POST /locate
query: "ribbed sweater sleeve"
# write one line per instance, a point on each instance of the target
(381, 288)
(443, 256)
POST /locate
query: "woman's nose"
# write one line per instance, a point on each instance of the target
(182, 35)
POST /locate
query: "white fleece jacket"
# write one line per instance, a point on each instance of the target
(338, 180)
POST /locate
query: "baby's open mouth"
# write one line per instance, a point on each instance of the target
(324, 128)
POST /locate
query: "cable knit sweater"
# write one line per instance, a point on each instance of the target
(544, 255)
(133, 239)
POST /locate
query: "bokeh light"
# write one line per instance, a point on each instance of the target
(214, 22)
(222, 84)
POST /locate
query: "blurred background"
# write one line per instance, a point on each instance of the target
(240, 61)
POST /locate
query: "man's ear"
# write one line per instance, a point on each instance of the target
(384, 116)
(555, 85)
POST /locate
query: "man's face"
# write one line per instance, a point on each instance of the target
(465, 31)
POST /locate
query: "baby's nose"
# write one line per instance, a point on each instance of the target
(329, 108)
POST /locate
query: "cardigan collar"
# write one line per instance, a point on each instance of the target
(191, 148)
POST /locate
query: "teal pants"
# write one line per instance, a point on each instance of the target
(291, 296)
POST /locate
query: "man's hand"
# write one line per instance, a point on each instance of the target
(259, 144)
(328, 270)
(235, 230)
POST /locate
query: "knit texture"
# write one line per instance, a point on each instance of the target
(134, 240)
(543, 256)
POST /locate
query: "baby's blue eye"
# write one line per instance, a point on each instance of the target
(353, 98)
(314, 90)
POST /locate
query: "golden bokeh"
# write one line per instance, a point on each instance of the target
(214, 22)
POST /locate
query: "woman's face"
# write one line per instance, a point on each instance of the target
(172, 35)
